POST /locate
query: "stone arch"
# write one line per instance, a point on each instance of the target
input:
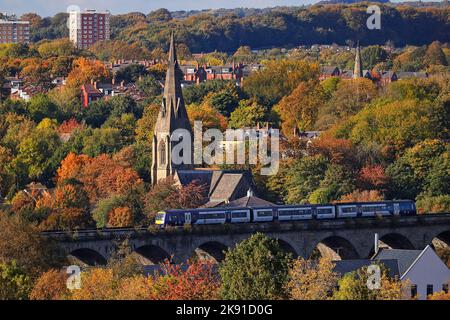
(444, 237)
(396, 241)
(441, 244)
(287, 247)
(87, 257)
(335, 248)
(392, 241)
(151, 254)
(213, 251)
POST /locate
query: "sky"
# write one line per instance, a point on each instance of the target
(50, 7)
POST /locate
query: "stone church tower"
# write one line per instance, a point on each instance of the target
(172, 116)
(358, 71)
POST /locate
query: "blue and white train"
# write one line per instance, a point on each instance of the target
(179, 217)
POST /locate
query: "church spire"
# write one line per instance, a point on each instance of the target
(357, 71)
(172, 116)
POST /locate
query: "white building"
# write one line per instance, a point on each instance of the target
(88, 27)
(426, 272)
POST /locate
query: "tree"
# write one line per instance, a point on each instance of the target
(353, 286)
(373, 55)
(434, 55)
(362, 196)
(303, 177)
(167, 195)
(210, 117)
(278, 79)
(41, 107)
(199, 282)
(149, 86)
(433, 204)
(121, 217)
(311, 280)
(51, 285)
(257, 268)
(372, 177)
(247, 114)
(299, 109)
(29, 250)
(15, 284)
(225, 101)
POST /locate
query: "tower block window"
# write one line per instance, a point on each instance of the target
(162, 153)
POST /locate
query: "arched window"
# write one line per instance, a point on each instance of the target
(162, 153)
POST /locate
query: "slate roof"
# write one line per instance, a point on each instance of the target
(249, 202)
(345, 266)
(408, 74)
(405, 258)
(223, 185)
(91, 90)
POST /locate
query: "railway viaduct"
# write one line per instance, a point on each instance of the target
(342, 238)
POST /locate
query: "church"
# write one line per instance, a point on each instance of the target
(224, 186)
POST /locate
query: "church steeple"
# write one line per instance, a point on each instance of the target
(172, 116)
(358, 71)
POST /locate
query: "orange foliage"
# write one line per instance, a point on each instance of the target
(97, 284)
(362, 196)
(372, 177)
(101, 176)
(439, 296)
(67, 219)
(120, 217)
(50, 285)
(69, 126)
(71, 166)
(84, 70)
(198, 282)
(339, 151)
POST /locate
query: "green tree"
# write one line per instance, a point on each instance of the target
(304, 177)
(15, 284)
(256, 269)
(248, 114)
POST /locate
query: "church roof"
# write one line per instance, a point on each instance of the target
(249, 201)
(223, 185)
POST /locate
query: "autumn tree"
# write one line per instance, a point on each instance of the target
(299, 109)
(15, 284)
(51, 285)
(353, 286)
(31, 252)
(278, 79)
(311, 280)
(257, 268)
(166, 194)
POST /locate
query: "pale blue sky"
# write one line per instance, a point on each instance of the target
(50, 7)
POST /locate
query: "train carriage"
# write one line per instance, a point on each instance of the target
(203, 216)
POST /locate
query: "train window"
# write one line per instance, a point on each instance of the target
(348, 209)
(286, 212)
(374, 208)
(213, 215)
(239, 214)
(324, 211)
(303, 212)
(264, 213)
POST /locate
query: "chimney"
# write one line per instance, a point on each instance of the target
(113, 81)
(376, 246)
(122, 83)
(249, 193)
(92, 81)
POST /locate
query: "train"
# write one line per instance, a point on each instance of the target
(256, 214)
